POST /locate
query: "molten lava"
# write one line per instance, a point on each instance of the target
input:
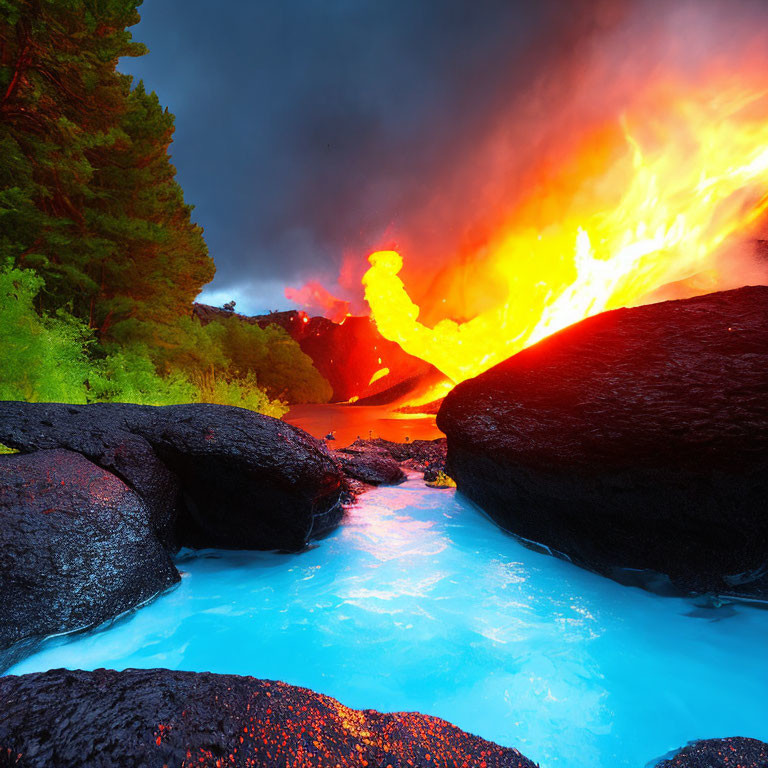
(646, 201)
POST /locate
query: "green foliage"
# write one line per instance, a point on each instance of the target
(232, 350)
(105, 260)
(41, 358)
(54, 359)
(129, 376)
(442, 481)
(141, 214)
(283, 369)
(244, 392)
(88, 196)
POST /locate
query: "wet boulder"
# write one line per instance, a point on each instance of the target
(242, 480)
(370, 465)
(77, 549)
(720, 753)
(636, 439)
(425, 456)
(249, 481)
(158, 717)
(101, 435)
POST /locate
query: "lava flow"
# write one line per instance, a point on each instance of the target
(649, 200)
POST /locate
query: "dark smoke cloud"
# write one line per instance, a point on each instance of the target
(308, 130)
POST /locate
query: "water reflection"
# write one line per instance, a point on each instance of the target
(352, 421)
(377, 529)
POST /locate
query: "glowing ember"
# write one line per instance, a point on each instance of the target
(380, 374)
(645, 201)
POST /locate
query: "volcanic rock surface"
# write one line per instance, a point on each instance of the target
(720, 753)
(101, 437)
(635, 439)
(61, 719)
(426, 456)
(224, 476)
(77, 549)
(373, 466)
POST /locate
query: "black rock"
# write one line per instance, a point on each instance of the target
(77, 549)
(426, 456)
(720, 753)
(134, 718)
(373, 466)
(634, 439)
(244, 480)
(100, 436)
(249, 481)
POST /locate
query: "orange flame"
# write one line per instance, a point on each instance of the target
(380, 374)
(314, 297)
(646, 201)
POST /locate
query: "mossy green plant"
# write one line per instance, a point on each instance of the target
(442, 481)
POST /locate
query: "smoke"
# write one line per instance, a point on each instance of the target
(309, 134)
(585, 76)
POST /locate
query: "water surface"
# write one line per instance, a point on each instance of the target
(419, 602)
(353, 421)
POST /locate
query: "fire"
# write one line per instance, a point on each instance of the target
(380, 374)
(645, 201)
(317, 298)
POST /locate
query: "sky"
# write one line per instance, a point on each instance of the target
(312, 132)
(306, 130)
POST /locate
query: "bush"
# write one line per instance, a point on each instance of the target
(129, 376)
(274, 357)
(239, 353)
(55, 359)
(41, 358)
(243, 392)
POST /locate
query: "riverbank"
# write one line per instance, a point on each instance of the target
(418, 602)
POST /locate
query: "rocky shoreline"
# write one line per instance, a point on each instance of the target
(100, 497)
(78, 549)
(635, 442)
(159, 717)
(376, 461)
(720, 753)
(164, 718)
(209, 475)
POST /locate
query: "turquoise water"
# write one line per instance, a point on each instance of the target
(418, 602)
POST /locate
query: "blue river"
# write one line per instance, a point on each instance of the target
(418, 602)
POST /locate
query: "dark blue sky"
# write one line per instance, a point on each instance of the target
(311, 129)
(307, 128)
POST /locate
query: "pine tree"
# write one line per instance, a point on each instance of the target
(88, 196)
(94, 224)
(161, 258)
